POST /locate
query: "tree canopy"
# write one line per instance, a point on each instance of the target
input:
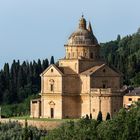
(20, 80)
(124, 126)
(124, 54)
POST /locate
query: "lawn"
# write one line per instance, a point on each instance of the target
(41, 119)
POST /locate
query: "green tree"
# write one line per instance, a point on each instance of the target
(45, 64)
(108, 116)
(25, 132)
(99, 117)
(118, 38)
(52, 60)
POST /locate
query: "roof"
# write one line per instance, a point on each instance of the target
(36, 100)
(135, 92)
(66, 70)
(92, 70)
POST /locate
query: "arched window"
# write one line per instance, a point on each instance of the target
(51, 85)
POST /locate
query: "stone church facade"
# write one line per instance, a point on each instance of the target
(82, 83)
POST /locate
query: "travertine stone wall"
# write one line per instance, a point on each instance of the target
(69, 84)
(35, 107)
(105, 76)
(79, 52)
(85, 64)
(109, 82)
(71, 106)
(56, 80)
(51, 101)
(85, 105)
(71, 66)
(85, 84)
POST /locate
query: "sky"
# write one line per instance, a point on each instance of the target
(32, 29)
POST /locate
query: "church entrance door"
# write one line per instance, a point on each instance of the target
(52, 112)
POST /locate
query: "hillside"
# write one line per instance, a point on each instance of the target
(124, 54)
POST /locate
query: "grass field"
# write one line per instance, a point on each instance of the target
(41, 119)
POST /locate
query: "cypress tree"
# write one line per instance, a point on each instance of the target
(52, 60)
(7, 75)
(25, 72)
(25, 133)
(45, 64)
(39, 67)
(6, 96)
(99, 117)
(20, 78)
(2, 85)
(108, 116)
(118, 38)
(87, 117)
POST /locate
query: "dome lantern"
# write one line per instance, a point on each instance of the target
(82, 23)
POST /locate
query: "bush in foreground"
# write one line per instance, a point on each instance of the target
(124, 126)
(14, 131)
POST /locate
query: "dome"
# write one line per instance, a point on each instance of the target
(82, 36)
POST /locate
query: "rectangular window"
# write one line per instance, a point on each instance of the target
(130, 99)
(115, 110)
(104, 86)
(91, 55)
(51, 87)
(52, 113)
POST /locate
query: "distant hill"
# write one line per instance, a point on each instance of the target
(124, 54)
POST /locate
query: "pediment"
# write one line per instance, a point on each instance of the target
(52, 70)
(106, 71)
(51, 103)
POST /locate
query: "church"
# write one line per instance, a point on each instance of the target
(82, 83)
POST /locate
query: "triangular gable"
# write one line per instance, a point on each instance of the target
(52, 69)
(97, 70)
(105, 70)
